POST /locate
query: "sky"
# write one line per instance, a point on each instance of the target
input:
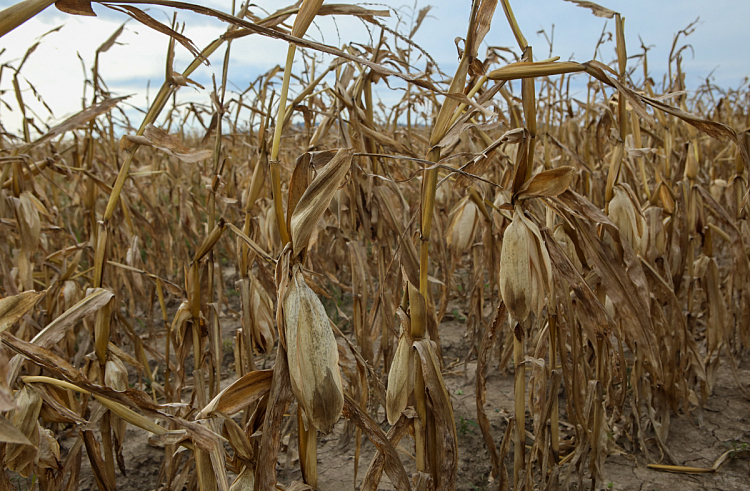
(56, 68)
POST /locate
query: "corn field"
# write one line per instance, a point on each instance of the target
(599, 248)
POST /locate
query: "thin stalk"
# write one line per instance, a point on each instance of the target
(519, 454)
(275, 171)
(555, 416)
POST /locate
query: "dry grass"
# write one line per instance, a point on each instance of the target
(604, 245)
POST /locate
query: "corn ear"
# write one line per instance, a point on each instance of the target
(463, 226)
(313, 355)
(524, 268)
(400, 377)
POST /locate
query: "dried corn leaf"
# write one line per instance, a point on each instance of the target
(52, 334)
(316, 198)
(168, 144)
(346, 9)
(548, 183)
(307, 12)
(77, 120)
(240, 394)
(19, 457)
(149, 21)
(278, 400)
(12, 309)
(445, 447)
(395, 434)
(11, 434)
(488, 340)
(75, 7)
(623, 276)
(392, 464)
(596, 9)
(594, 318)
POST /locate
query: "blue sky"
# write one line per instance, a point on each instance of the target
(719, 44)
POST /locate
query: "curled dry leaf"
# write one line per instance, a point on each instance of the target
(596, 9)
(548, 183)
(11, 434)
(445, 446)
(12, 309)
(95, 299)
(316, 198)
(167, 143)
(77, 120)
(27, 213)
(241, 393)
(262, 317)
(391, 463)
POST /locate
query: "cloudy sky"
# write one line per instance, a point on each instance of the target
(56, 69)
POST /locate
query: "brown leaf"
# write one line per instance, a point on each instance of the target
(345, 9)
(240, 393)
(76, 121)
(149, 21)
(621, 275)
(392, 464)
(316, 198)
(594, 319)
(299, 182)
(548, 183)
(15, 307)
(480, 26)
(596, 9)
(171, 145)
(395, 434)
(445, 444)
(11, 434)
(55, 330)
(307, 12)
(278, 400)
(75, 7)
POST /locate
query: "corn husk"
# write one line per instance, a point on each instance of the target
(629, 220)
(463, 226)
(245, 480)
(313, 355)
(400, 376)
(525, 268)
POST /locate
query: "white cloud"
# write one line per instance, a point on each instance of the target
(56, 72)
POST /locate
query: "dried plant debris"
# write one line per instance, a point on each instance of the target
(282, 278)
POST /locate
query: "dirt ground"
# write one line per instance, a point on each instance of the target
(696, 439)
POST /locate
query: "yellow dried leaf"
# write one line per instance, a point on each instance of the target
(15, 307)
(316, 198)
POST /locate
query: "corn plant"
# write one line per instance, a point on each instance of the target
(606, 238)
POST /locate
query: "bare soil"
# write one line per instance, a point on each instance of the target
(696, 439)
